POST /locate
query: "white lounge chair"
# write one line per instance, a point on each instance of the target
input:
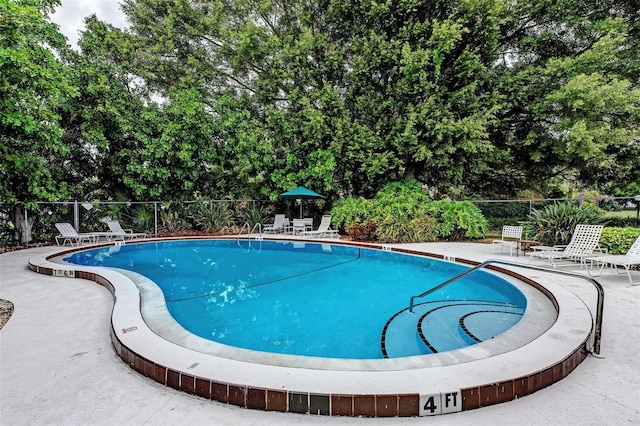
(124, 234)
(631, 258)
(68, 234)
(584, 243)
(324, 229)
(511, 235)
(276, 226)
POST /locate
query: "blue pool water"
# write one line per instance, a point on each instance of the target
(317, 299)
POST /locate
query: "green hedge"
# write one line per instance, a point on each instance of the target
(618, 240)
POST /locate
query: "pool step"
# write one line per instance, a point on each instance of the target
(445, 325)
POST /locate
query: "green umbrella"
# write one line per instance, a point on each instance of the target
(301, 193)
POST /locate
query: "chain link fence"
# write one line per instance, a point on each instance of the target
(19, 226)
(37, 226)
(510, 212)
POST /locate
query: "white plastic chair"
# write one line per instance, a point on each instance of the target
(299, 226)
(511, 235)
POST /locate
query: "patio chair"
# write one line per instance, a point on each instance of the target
(631, 258)
(584, 243)
(324, 229)
(511, 236)
(276, 226)
(68, 234)
(299, 226)
(118, 232)
(308, 223)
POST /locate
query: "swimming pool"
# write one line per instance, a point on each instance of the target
(315, 299)
(552, 338)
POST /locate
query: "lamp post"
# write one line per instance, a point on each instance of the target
(637, 199)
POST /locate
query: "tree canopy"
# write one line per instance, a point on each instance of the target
(33, 86)
(244, 98)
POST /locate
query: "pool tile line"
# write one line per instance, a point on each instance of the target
(282, 400)
(339, 404)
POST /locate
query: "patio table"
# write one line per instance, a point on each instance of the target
(522, 243)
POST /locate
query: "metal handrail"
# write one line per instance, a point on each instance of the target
(246, 224)
(251, 230)
(259, 226)
(600, 302)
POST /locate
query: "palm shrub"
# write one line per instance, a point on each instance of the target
(456, 220)
(252, 214)
(142, 217)
(554, 224)
(118, 207)
(210, 216)
(171, 221)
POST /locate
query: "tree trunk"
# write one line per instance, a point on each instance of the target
(570, 182)
(580, 194)
(23, 226)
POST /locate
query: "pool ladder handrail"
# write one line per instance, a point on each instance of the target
(251, 231)
(597, 335)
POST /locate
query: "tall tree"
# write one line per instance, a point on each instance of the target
(418, 88)
(111, 116)
(354, 94)
(466, 96)
(570, 80)
(33, 86)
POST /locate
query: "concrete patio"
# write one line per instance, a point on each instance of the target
(83, 382)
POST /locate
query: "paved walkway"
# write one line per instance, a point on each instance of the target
(57, 365)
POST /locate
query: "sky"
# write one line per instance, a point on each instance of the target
(70, 16)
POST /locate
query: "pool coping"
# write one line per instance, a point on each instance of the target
(415, 391)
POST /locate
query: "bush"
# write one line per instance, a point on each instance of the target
(397, 199)
(400, 199)
(142, 218)
(612, 205)
(252, 214)
(403, 230)
(457, 220)
(620, 221)
(499, 214)
(350, 210)
(365, 232)
(171, 222)
(211, 216)
(618, 240)
(404, 212)
(554, 224)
